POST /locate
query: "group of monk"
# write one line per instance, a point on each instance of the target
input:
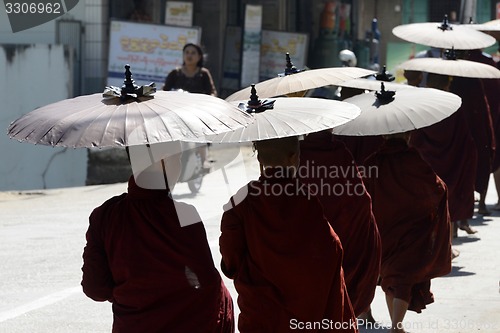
(396, 234)
(301, 260)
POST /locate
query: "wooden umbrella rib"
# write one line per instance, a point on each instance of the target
(157, 114)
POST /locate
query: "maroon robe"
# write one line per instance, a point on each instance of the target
(347, 205)
(478, 118)
(410, 207)
(491, 89)
(159, 276)
(449, 149)
(284, 258)
(361, 146)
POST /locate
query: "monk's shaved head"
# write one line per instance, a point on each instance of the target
(413, 77)
(438, 81)
(277, 152)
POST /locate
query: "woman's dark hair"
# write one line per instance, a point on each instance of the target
(198, 49)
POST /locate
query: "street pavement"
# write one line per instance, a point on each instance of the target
(42, 235)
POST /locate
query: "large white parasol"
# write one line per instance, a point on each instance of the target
(389, 112)
(288, 116)
(444, 35)
(130, 116)
(463, 68)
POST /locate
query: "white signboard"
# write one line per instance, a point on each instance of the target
(179, 13)
(275, 45)
(152, 51)
(251, 45)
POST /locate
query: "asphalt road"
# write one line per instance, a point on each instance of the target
(42, 235)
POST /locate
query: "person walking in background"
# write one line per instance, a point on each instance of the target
(158, 273)
(191, 76)
(194, 78)
(282, 254)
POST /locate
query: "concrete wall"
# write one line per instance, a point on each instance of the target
(32, 76)
(94, 17)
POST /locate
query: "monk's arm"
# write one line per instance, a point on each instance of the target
(232, 243)
(97, 281)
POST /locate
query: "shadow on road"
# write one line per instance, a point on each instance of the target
(457, 271)
(465, 239)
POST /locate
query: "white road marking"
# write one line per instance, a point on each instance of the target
(39, 303)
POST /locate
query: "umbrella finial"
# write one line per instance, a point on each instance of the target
(384, 75)
(384, 96)
(129, 86)
(254, 99)
(290, 67)
(255, 105)
(445, 25)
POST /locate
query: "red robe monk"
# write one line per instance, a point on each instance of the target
(281, 252)
(449, 149)
(361, 146)
(328, 166)
(159, 276)
(411, 210)
(478, 117)
(491, 89)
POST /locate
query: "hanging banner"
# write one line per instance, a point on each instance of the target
(275, 45)
(179, 13)
(251, 45)
(152, 51)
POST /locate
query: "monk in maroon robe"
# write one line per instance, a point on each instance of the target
(449, 149)
(491, 88)
(329, 168)
(478, 117)
(411, 210)
(281, 252)
(159, 275)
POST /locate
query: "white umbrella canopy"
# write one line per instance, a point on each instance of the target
(398, 112)
(491, 28)
(301, 81)
(368, 84)
(463, 68)
(288, 116)
(493, 22)
(135, 119)
(443, 35)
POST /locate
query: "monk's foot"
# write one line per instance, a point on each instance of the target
(454, 253)
(467, 229)
(496, 207)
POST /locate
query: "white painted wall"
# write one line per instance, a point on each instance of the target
(32, 76)
(43, 34)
